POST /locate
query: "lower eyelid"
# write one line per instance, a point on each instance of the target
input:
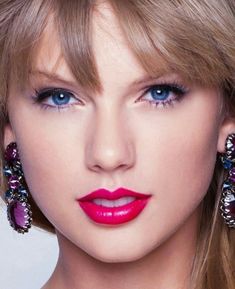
(168, 102)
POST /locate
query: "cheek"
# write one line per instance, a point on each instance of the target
(179, 159)
(52, 156)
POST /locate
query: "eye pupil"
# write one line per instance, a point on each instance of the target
(61, 98)
(160, 93)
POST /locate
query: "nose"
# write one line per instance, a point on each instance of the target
(110, 147)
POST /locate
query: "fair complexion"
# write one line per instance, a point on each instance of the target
(112, 139)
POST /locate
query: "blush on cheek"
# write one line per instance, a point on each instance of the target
(189, 161)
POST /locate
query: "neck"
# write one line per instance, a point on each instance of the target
(167, 266)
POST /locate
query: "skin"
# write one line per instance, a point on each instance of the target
(112, 141)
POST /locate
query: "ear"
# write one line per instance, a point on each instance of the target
(227, 127)
(9, 135)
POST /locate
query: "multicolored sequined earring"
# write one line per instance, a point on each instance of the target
(18, 208)
(228, 188)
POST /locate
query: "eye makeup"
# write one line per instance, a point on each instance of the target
(164, 94)
(161, 94)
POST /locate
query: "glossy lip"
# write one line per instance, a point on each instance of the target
(115, 215)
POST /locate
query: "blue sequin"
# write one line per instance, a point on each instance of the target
(23, 192)
(7, 171)
(8, 195)
(227, 164)
(226, 185)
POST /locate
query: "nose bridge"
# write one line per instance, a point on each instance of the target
(110, 146)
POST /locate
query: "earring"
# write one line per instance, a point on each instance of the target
(228, 188)
(18, 208)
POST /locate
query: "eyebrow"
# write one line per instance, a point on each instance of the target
(51, 75)
(144, 80)
(57, 77)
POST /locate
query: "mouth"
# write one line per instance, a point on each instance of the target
(113, 208)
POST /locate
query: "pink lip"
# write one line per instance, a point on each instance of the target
(115, 215)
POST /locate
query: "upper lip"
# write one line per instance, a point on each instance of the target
(106, 194)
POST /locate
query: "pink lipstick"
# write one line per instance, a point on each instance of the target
(117, 207)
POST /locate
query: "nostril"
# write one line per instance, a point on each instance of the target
(109, 148)
(101, 159)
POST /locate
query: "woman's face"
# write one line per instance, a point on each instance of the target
(115, 138)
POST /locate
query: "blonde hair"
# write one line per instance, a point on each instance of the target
(192, 38)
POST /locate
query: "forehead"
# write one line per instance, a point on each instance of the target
(112, 54)
(83, 41)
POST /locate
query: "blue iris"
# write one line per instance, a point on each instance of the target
(61, 98)
(160, 93)
(55, 97)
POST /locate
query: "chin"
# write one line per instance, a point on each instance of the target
(117, 255)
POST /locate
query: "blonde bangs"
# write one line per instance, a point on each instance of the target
(20, 42)
(166, 36)
(75, 32)
(182, 37)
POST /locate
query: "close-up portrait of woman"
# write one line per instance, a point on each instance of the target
(118, 136)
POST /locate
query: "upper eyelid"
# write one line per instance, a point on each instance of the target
(54, 89)
(47, 100)
(171, 83)
(172, 86)
(51, 79)
(42, 84)
(48, 90)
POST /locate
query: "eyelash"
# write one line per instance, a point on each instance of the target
(178, 91)
(174, 88)
(47, 93)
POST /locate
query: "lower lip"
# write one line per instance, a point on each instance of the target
(115, 215)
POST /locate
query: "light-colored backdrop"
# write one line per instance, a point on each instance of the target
(26, 260)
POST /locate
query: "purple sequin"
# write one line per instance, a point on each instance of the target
(232, 178)
(232, 175)
(17, 214)
(231, 208)
(11, 153)
(14, 182)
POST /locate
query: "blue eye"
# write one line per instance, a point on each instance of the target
(164, 94)
(55, 97)
(160, 93)
(61, 98)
